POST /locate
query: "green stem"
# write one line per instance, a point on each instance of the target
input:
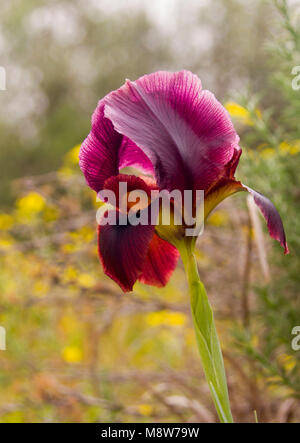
(206, 334)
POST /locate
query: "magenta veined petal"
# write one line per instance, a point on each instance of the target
(104, 152)
(184, 130)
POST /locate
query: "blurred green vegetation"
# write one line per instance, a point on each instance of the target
(77, 349)
(271, 165)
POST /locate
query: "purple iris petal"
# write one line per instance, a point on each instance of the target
(184, 130)
(131, 155)
(228, 186)
(163, 124)
(271, 216)
(105, 151)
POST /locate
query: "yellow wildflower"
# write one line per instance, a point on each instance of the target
(71, 158)
(86, 280)
(268, 153)
(29, 206)
(72, 354)
(289, 148)
(40, 288)
(145, 410)
(239, 112)
(165, 318)
(288, 362)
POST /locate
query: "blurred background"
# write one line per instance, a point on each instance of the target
(78, 350)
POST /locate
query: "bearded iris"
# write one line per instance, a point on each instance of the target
(165, 125)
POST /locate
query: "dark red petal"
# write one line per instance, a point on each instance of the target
(232, 165)
(105, 151)
(160, 262)
(123, 251)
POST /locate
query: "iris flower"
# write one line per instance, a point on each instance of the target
(180, 138)
(167, 126)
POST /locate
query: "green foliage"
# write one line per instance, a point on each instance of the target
(271, 165)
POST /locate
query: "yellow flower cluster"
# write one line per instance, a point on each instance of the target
(31, 204)
(284, 149)
(165, 318)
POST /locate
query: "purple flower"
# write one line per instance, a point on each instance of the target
(167, 126)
